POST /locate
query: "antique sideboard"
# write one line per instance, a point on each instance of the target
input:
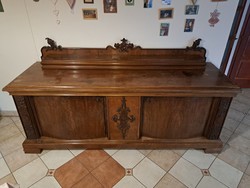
(122, 97)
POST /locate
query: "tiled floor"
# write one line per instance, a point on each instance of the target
(132, 168)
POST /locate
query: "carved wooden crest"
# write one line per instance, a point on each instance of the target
(124, 46)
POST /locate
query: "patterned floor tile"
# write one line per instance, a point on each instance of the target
(30, 173)
(240, 143)
(186, 172)
(245, 182)
(76, 152)
(128, 158)
(8, 179)
(109, 173)
(210, 182)
(88, 181)
(48, 182)
(168, 181)
(231, 124)
(243, 130)
(235, 114)
(4, 168)
(148, 173)
(128, 181)
(11, 144)
(164, 158)
(8, 131)
(199, 158)
(5, 121)
(225, 173)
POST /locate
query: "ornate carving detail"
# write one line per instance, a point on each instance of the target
(26, 117)
(123, 118)
(52, 45)
(124, 46)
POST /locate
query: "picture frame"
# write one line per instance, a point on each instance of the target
(189, 25)
(1, 7)
(165, 13)
(110, 6)
(129, 2)
(89, 13)
(164, 29)
(148, 3)
(88, 1)
(191, 9)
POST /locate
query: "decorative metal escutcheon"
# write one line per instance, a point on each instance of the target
(123, 119)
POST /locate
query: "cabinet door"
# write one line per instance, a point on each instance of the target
(123, 117)
(175, 117)
(71, 117)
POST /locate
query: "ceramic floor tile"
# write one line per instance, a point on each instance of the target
(179, 151)
(1, 156)
(235, 158)
(148, 173)
(20, 127)
(243, 99)
(248, 169)
(225, 173)
(92, 158)
(70, 173)
(109, 173)
(56, 158)
(18, 159)
(110, 151)
(15, 119)
(4, 168)
(243, 130)
(128, 181)
(46, 182)
(199, 158)
(231, 124)
(30, 173)
(8, 131)
(5, 121)
(88, 181)
(240, 143)
(245, 182)
(128, 158)
(145, 152)
(164, 158)
(168, 181)
(225, 135)
(235, 114)
(186, 172)
(8, 179)
(10, 145)
(242, 107)
(76, 152)
(210, 182)
(246, 120)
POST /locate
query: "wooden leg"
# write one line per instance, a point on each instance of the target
(213, 150)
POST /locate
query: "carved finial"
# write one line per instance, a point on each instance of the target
(52, 44)
(195, 45)
(124, 46)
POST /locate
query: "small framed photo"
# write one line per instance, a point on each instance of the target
(191, 9)
(129, 2)
(1, 7)
(164, 28)
(166, 2)
(189, 25)
(88, 1)
(166, 13)
(110, 6)
(148, 4)
(89, 14)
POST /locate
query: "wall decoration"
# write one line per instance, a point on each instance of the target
(129, 2)
(110, 6)
(71, 3)
(1, 7)
(166, 13)
(191, 9)
(214, 18)
(56, 11)
(218, 0)
(166, 2)
(189, 25)
(89, 14)
(148, 4)
(88, 1)
(164, 29)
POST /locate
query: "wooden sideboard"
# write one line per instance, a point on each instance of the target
(122, 97)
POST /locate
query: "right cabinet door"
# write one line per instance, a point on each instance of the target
(174, 117)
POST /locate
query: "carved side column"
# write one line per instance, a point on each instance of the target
(26, 114)
(218, 114)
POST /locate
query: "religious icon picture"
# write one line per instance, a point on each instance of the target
(191, 9)
(129, 2)
(189, 25)
(110, 6)
(166, 13)
(148, 4)
(89, 14)
(1, 7)
(164, 29)
(88, 1)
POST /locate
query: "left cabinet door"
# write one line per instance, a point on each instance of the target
(71, 117)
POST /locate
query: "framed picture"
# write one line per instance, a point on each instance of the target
(191, 9)
(89, 14)
(189, 25)
(88, 1)
(129, 2)
(166, 13)
(148, 4)
(164, 28)
(110, 6)
(166, 2)
(1, 7)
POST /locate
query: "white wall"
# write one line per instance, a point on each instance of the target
(25, 25)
